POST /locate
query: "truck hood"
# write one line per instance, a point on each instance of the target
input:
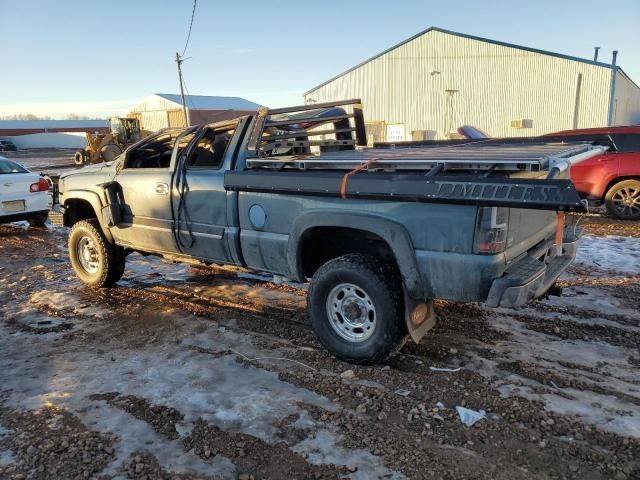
(89, 170)
(87, 177)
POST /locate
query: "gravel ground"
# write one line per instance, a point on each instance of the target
(184, 373)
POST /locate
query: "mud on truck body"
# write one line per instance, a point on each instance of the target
(378, 232)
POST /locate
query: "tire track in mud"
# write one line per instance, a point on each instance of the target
(568, 329)
(52, 443)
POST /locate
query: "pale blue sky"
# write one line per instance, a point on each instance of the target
(97, 58)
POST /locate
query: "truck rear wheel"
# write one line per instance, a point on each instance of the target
(623, 200)
(356, 307)
(97, 262)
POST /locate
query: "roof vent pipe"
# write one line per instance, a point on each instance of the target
(615, 56)
(595, 54)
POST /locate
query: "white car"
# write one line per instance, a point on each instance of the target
(23, 195)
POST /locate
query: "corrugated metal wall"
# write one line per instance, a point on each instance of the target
(626, 102)
(153, 121)
(176, 118)
(495, 85)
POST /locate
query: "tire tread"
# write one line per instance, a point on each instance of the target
(383, 276)
(112, 269)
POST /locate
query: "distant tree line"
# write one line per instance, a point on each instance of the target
(31, 116)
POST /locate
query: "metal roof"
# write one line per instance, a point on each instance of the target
(207, 102)
(471, 37)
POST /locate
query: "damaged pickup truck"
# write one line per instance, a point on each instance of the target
(378, 232)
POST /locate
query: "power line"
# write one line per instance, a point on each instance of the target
(193, 13)
(188, 97)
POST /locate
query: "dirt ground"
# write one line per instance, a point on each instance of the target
(184, 373)
(43, 159)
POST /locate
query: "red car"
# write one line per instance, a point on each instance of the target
(612, 179)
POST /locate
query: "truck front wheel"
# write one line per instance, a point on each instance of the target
(356, 306)
(97, 262)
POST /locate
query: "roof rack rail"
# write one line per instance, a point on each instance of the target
(291, 127)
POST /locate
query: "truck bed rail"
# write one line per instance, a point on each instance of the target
(541, 194)
(473, 157)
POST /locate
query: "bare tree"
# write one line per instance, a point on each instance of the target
(24, 116)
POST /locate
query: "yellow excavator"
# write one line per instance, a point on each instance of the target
(104, 147)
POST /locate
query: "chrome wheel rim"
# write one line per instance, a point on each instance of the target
(626, 201)
(87, 254)
(351, 312)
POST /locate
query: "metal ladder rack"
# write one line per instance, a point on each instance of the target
(525, 157)
(291, 127)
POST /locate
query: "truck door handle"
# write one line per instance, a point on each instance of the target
(162, 188)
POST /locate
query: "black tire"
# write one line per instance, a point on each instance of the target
(623, 200)
(39, 220)
(78, 158)
(381, 286)
(104, 263)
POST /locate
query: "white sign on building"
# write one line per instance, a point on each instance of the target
(395, 132)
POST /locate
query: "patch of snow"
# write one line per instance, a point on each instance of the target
(322, 449)
(6, 457)
(23, 224)
(194, 374)
(152, 269)
(136, 435)
(606, 412)
(265, 277)
(593, 363)
(65, 301)
(610, 253)
(591, 298)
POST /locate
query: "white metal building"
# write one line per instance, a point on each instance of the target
(428, 85)
(162, 110)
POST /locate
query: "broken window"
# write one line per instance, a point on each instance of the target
(210, 150)
(157, 152)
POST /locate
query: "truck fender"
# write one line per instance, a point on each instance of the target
(94, 200)
(391, 232)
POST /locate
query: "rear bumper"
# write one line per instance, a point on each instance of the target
(18, 217)
(531, 276)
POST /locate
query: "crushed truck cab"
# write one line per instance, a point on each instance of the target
(378, 232)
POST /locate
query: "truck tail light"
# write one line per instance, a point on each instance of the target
(40, 186)
(491, 230)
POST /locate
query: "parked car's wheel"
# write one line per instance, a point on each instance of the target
(97, 262)
(357, 308)
(78, 158)
(623, 200)
(39, 220)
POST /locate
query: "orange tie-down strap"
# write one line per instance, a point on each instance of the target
(345, 178)
(559, 229)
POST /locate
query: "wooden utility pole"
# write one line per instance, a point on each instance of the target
(184, 107)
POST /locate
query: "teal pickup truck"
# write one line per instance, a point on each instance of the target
(378, 232)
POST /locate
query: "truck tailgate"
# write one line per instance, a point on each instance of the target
(527, 228)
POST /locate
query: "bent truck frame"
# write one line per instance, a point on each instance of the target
(378, 232)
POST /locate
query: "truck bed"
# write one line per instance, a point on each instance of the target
(291, 151)
(513, 175)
